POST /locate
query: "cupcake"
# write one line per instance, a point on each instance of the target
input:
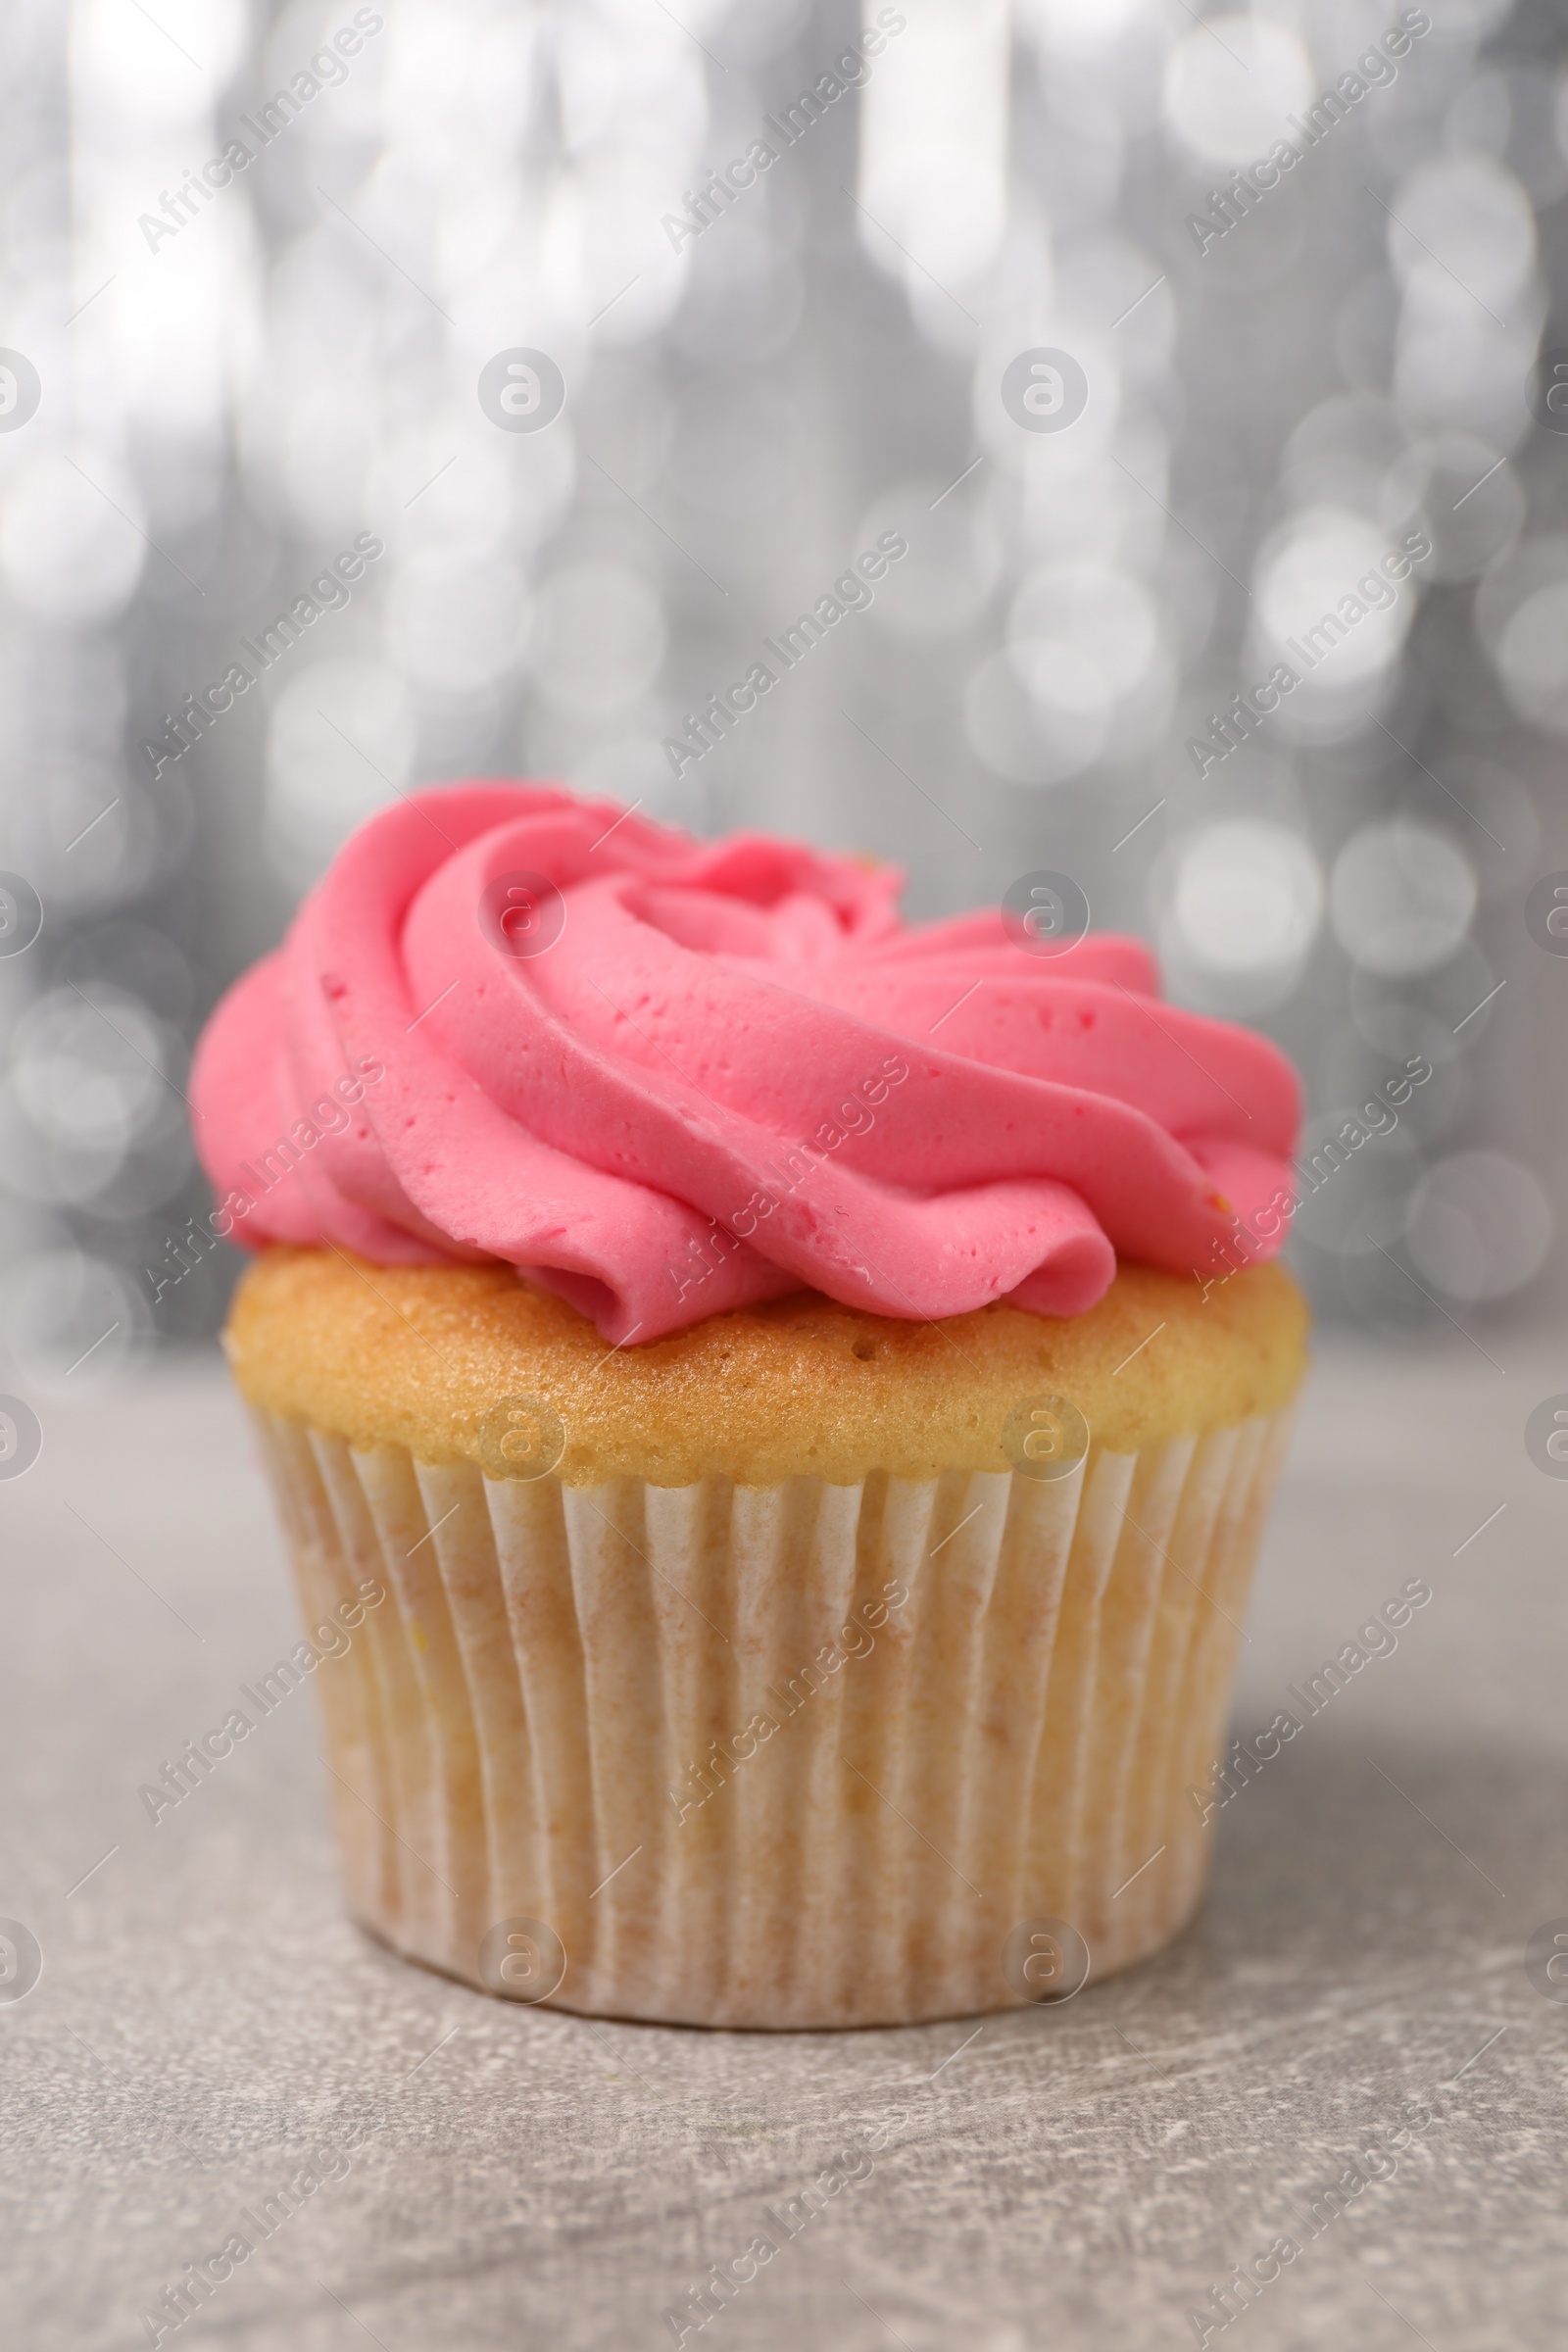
(781, 1404)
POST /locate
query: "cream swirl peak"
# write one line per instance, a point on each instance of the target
(665, 1077)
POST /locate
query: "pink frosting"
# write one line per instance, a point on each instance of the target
(727, 1071)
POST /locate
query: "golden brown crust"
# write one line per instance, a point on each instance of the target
(423, 1358)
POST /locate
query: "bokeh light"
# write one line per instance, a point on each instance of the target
(1401, 897)
(71, 551)
(1479, 1225)
(1230, 84)
(1242, 902)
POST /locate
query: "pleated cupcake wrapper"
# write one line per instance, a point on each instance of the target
(634, 1719)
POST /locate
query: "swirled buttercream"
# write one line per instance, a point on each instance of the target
(663, 1077)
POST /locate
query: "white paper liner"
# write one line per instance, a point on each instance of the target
(1015, 1745)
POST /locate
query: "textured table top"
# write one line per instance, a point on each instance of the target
(207, 2022)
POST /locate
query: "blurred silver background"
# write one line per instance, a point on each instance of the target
(207, 393)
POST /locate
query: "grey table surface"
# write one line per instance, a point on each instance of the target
(207, 2020)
